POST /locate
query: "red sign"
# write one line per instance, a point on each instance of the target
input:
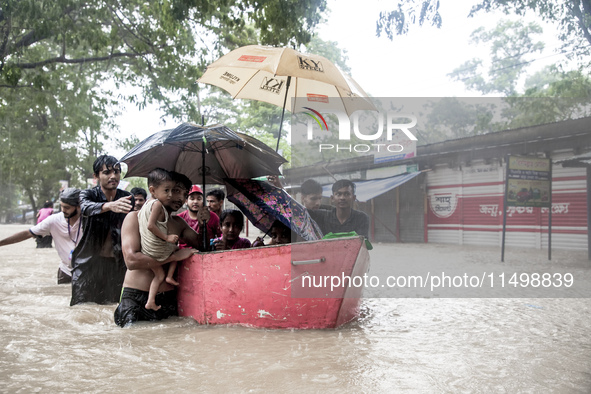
(318, 98)
(252, 58)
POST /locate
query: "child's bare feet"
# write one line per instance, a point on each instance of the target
(152, 305)
(172, 281)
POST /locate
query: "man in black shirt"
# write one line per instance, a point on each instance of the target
(312, 195)
(343, 218)
(98, 268)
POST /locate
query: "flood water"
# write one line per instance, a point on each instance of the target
(398, 344)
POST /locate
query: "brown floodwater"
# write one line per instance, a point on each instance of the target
(398, 344)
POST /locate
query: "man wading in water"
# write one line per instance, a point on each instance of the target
(97, 263)
(139, 275)
(65, 229)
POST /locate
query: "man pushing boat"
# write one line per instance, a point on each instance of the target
(139, 275)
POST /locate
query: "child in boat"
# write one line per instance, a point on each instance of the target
(232, 223)
(279, 233)
(153, 218)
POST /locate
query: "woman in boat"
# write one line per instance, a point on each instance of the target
(232, 223)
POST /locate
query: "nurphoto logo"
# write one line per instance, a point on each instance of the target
(389, 132)
(316, 118)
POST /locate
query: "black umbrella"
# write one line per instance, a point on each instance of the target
(205, 154)
(227, 154)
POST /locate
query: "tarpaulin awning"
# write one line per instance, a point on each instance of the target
(583, 160)
(367, 190)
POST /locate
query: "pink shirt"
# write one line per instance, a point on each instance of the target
(242, 243)
(213, 226)
(44, 213)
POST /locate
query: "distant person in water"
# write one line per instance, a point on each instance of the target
(44, 213)
(156, 239)
(232, 225)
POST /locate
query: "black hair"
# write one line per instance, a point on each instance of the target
(48, 204)
(138, 190)
(217, 193)
(157, 176)
(341, 183)
(279, 225)
(286, 230)
(107, 161)
(181, 179)
(236, 214)
(311, 187)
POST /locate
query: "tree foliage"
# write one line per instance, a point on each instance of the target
(451, 118)
(548, 96)
(408, 12)
(65, 65)
(573, 17)
(510, 42)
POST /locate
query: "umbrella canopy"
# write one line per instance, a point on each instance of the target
(263, 203)
(286, 78)
(227, 154)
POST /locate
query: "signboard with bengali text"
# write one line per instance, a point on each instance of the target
(528, 182)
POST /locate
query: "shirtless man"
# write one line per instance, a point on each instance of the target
(139, 275)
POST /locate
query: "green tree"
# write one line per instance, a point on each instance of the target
(58, 59)
(408, 12)
(159, 47)
(573, 17)
(450, 118)
(551, 96)
(40, 134)
(510, 42)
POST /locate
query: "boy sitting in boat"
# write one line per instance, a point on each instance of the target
(153, 219)
(232, 224)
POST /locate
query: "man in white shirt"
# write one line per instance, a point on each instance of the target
(65, 229)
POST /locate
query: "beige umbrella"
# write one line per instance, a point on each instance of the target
(286, 78)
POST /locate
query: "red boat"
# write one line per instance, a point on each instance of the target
(302, 285)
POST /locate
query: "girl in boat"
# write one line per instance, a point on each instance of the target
(232, 223)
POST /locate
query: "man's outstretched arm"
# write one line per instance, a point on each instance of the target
(18, 237)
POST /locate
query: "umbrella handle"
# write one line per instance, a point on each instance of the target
(267, 233)
(283, 112)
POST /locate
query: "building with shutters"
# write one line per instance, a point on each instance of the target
(452, 191)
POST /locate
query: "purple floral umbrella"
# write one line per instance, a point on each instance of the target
(263, 203)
